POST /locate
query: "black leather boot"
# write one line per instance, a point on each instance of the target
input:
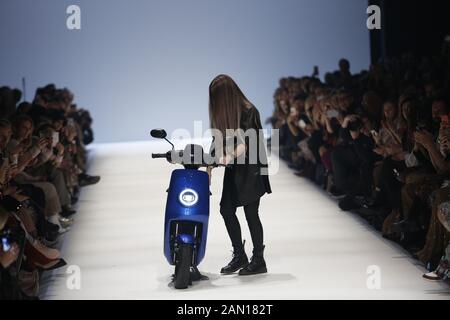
(406, 225)
(257, 265)
(239, 260)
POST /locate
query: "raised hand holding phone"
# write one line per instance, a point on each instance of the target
(8, 257)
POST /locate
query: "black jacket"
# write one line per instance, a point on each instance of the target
(246, 181)
(363, 146)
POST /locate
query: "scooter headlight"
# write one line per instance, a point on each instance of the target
(188, 197)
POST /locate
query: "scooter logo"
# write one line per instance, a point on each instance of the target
(188, 197)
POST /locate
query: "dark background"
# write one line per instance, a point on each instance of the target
(409, 26)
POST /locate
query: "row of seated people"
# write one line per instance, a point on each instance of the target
(379, 141)
(43, 165)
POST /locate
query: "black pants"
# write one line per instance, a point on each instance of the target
(390, 186)
(351, 175)
(234, 228)
(345, 169)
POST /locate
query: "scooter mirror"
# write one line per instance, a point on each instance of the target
(158, 133)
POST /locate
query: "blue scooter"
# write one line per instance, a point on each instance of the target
(187, 211)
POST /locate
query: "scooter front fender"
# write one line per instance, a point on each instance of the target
(182, 180)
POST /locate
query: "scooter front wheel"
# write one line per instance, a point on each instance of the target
(183, 266)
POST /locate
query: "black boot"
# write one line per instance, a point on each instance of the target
(257, 265)
(67, 211)
(239, 260)
(406, 225)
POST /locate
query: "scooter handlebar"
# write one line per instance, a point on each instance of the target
(168, 156)
(159, 155)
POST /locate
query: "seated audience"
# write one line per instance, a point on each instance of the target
(379, 141)
(42, 168)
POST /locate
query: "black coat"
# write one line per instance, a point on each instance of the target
(245, 182)
(9, 289)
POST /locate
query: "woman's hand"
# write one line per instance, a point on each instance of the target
(8, 257)
(308, 130)
(444, 136)
(424, 138)
(60, 148)
(445, 145)
(225, 160)
(443, 129)
(42, 143)
(13, 171)
(19, 196)
(322, 151)
(292, 118)
(393, 149)
(381, 151)
(399, 156)
(376, 137)
(349, 118)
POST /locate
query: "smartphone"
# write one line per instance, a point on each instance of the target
(3, 160)
(332, 113)
(6, 246)
(420, 127)
(302, 124)
(14, 159)
(55, 138)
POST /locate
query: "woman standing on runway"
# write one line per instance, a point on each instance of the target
(245, 181)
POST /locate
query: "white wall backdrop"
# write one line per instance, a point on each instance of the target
(140, 64)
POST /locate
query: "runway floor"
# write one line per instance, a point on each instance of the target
(313, 250)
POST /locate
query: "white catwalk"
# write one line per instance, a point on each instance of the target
(313, 250)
